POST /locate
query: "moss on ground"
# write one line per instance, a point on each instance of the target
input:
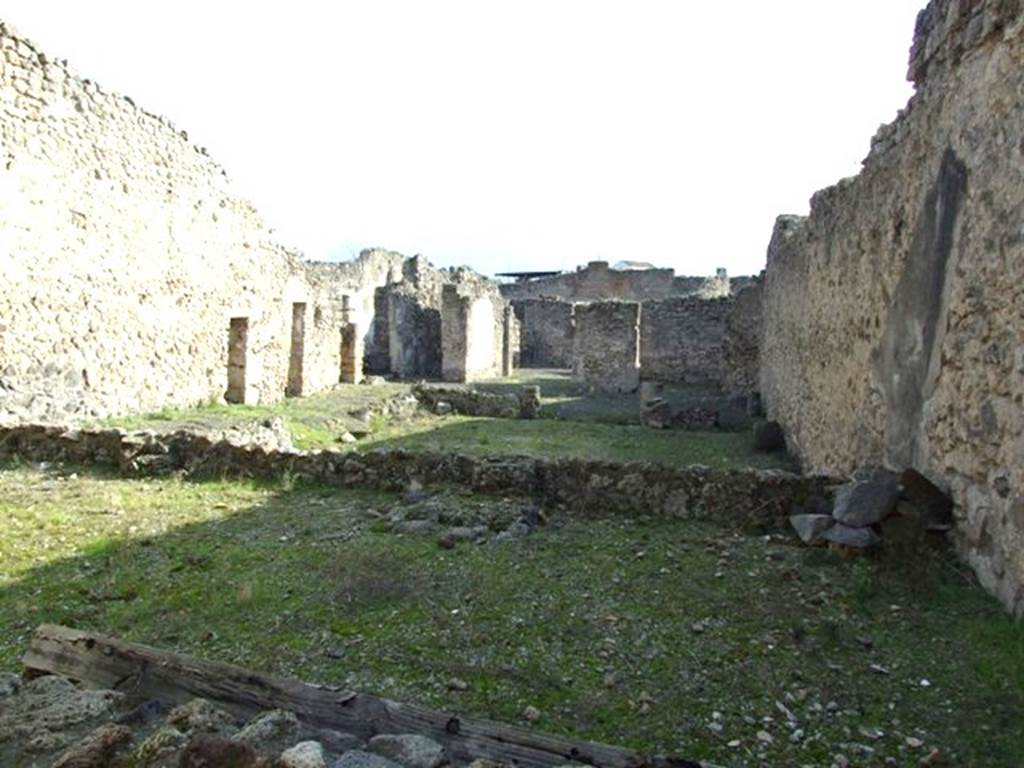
(666, 635)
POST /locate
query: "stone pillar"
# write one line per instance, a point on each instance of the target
(351, 354)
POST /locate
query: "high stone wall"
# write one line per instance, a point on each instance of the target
(606, 345)
(741, 344)
(681, 340)
(894, 314)
(547, 332)
(125, 256)
(599, 282)
(473, 332)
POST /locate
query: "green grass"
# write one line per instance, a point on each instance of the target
(551, 439)
(626, 631)
(573, 425)
(315, 422)
(564, 398)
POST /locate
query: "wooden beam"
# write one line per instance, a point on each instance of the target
(149, 673)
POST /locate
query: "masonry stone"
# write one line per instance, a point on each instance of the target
(893, 314)
(606, 346)
(547, 332)
(681, 340)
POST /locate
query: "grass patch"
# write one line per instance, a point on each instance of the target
(552, 439)
(665, 635)
(591, 427)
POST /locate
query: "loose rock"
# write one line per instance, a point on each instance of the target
(409, 749)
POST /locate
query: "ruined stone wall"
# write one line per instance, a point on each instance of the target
(343, 294)
(473, 316)
(894, 314)
(681, 340)
(414, 335)
(124, 256)
(599, 282)
(546, 332)
(741, 344)
(606, 345)
(596, 282)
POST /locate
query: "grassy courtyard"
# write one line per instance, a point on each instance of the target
(669, 636)
(573, 424)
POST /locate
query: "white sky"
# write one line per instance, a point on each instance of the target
(524, 134)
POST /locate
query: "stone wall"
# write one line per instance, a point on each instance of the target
(606, 345)
(894, 314)
(599, 282)
(681, 340)
(473, 332)
(748, 498)
(741, 347)
(126, 256)
(546, 332)
(345, 293)
(414, 335)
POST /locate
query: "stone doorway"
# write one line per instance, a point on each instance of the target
(238, 343)
(295, 357)
(351, 355)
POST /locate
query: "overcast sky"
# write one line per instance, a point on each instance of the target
(524, 134)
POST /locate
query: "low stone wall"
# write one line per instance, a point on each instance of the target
(605, 351)
(681, 340)
(547, 332)
(466, 401)
(746, 497)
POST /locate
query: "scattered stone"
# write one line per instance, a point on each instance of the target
(457, 684)
(866, 502)
(913, 742)
(855, 538)
(338, 742)
(409, 749)
(357, 758)
(811, 528)
(347, 437)
(416, 527)
(531, 714)
(97, 749)
(656, 413)
(147, 712)
(199, 716)
(218, 752)
(305, 754)
(764, 737)
(159, 747)
(271, 731)
(9, 685)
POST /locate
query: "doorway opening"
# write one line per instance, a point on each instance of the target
(351, 355)
(295, 357)
(238, 343)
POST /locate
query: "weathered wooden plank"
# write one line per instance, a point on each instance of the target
(150, 673)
